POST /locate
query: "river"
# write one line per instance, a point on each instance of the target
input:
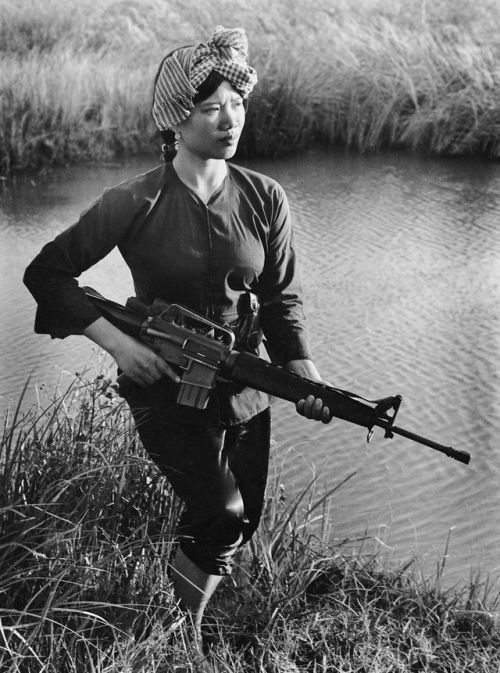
(401, 267)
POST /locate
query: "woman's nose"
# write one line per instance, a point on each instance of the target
(229, 117)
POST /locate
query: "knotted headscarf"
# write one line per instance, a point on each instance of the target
(186, 68)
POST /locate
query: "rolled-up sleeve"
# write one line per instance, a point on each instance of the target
(282, 312)
(63, 307)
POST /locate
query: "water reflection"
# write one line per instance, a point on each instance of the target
(401, 263)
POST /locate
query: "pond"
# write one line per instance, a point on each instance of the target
(401, 267)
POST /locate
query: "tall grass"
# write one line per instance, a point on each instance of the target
(86, 528)
(86, 533)
(75, 78)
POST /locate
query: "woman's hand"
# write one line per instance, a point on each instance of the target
(140, 363)
(311, 407)
(134, 358)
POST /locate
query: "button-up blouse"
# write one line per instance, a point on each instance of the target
(182, 250)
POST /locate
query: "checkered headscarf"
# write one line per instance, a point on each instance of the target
(186, 68)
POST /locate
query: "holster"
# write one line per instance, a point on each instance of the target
(247, 329)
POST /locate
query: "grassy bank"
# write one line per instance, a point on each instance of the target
(75, 78)
(86, 536)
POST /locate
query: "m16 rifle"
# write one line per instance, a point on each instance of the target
(204, 351)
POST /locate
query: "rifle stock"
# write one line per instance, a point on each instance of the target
(204, 350)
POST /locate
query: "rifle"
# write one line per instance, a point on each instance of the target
(204, 351)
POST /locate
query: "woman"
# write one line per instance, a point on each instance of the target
(203, 233)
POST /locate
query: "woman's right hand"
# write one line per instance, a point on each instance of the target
(140, 363)
(134, 358)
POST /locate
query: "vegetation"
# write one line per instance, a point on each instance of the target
(75, 77)
(86, 528)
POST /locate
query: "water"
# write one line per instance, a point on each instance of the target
(401, 265)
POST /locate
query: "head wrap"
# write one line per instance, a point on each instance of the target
(186, 68)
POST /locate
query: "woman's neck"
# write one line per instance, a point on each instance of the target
(202, 176)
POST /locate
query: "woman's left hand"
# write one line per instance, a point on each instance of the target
(310, 407)
(313, 407)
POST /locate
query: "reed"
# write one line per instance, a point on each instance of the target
(75, 79)
(86, 528)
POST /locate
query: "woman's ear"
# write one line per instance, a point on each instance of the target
(176, 130)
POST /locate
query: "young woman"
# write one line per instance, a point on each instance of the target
(204, 233)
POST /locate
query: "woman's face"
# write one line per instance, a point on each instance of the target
(213, 129)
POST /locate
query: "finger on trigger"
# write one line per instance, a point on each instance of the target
(166, 369)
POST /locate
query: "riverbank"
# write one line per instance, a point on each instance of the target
(87, 530)
(75, 79)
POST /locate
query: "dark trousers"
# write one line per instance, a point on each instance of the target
(219, 473)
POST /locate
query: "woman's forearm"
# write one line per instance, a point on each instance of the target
(305, 368)
(107, 336)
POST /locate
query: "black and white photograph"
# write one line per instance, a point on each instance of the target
(250, 336)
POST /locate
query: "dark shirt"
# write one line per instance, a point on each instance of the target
(182, 250)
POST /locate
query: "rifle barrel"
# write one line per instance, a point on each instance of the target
(456, 454)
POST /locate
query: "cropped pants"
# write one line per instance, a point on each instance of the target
(219, 473)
